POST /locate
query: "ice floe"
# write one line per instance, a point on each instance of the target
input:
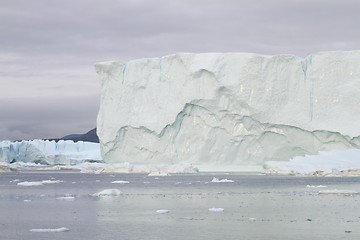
(216, 180)
(50, 230)
(68, 197)
(38, 183)
(331, 163)
(120, 182)
(27, 184)
(336, 191)
(162, 211)
(316, 186)
(51, 181)
(158, 174)
(216, 209)
(159, 170)
(108, 192)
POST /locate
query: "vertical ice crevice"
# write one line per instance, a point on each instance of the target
(123, 73)
(311, 101)
(304, 68)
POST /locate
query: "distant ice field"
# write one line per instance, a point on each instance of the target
(254, 206)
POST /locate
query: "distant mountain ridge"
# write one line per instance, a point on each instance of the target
(90, 136)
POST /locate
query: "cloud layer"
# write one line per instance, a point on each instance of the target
(48, 48)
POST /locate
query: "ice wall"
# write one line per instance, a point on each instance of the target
(228, 108)
(49, 152)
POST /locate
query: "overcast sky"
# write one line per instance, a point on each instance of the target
(48, 86)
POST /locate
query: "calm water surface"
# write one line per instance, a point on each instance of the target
(255, 207)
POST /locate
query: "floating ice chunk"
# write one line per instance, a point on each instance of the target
(216, 209)
(216, 180)
(318, 186)
(335, 191)
(51, 181)
(252, 219)
(121, 182)
(67, 197)
(162, 211)
(27, 200)
(108, 192)
(27, 184)
(159, 174)
(325, 163)
(49, 230)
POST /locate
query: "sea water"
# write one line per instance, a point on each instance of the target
(185, 206)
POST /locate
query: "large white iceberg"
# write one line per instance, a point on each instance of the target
(49, 152)
(228, 109)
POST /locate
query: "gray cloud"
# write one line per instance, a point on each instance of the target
(48, 48)
(47, 117)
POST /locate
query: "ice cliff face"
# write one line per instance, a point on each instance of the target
(49, 152)
(228, 109)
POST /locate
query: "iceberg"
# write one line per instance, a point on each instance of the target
(228, 109)
(49, 152)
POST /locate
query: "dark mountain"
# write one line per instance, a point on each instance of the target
(90, 136)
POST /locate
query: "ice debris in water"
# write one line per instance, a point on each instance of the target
(108, 192)
(216, 209)
(49, 230)
(335, 191)
(318, 186)
(38, 183)
(162, 211)
(51, 181)
(158, 173)
(120, 181)
(26, 183)
(216, 180)
(68, 197)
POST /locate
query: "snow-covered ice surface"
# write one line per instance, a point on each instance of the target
(331, 163)
(256, 207)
